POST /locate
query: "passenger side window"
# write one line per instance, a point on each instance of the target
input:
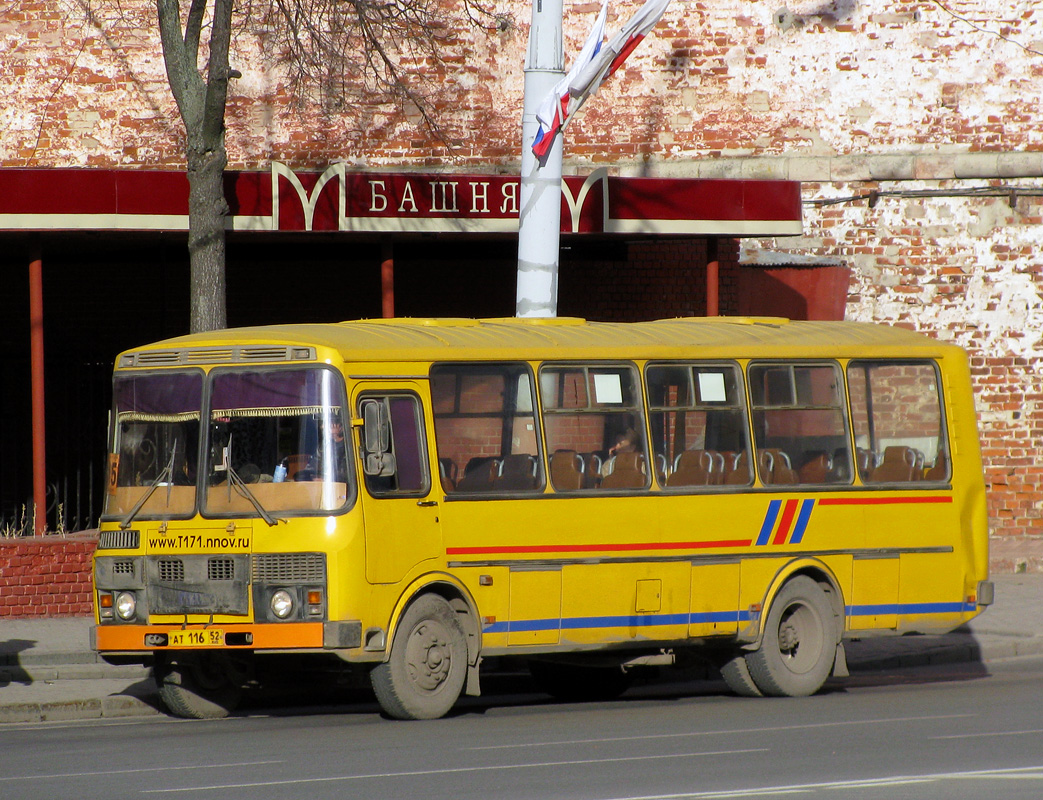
(485, 428)
(799, 424)
(697, 415)
(398, 466)
(899, 428)
(593, 427)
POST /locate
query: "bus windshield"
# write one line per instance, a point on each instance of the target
(155, 447)
(276, 438)
(275, 442)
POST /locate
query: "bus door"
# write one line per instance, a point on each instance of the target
(902, 455)
(400, 510)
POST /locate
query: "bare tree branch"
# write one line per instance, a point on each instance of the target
(372, 51)
(218, 73)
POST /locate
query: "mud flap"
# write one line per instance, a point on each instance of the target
(840, 663)
(471, 687)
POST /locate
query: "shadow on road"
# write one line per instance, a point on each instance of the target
(920, 660)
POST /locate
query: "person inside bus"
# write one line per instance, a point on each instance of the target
(628, 442)
(340, 451)
(307, 470)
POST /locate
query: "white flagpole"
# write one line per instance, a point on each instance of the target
(539, 223)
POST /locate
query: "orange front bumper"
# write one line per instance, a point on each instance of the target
(286, 636)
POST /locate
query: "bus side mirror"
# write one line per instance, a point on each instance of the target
(376, 439)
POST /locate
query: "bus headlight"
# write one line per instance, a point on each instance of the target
(126, 605)
(281, 604)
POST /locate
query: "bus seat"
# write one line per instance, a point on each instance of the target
(566, 470)
(918, 467)
(592, 473)
(775, 468)
(692, 468)
(866, 463)
(818, 470)
(447, 471)
(766, 466)
(940, 470)
(479, 474)
(898, 465)
(841, 471)
(784, 472)
(662, 468)
(517, 473)
(717, 471)
(297, 463)
(628, 472)
(737, 468)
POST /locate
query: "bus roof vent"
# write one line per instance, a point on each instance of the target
(157, 357)
(217, 355)
(208, 356)
(276, 353)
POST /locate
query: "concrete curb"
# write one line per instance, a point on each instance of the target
(926, 654)
(44, 672)
(70, 710)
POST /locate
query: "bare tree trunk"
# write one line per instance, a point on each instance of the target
(206, 236)
(341, 45)
(202, 107)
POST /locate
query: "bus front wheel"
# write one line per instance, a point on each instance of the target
(425, 674)
(800, 642)
(198, 686)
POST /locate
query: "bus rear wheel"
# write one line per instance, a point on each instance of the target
(198, 686)
(736, 673)
(425, 674)
(800, 642)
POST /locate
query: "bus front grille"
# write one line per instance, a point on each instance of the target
(289, 568)
(198, 584)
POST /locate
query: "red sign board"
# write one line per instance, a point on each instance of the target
(339, 199)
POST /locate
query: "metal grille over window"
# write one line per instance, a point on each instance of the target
(171, 569)
(220, 569)
(289, 567)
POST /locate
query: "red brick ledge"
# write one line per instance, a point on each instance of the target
(46, 576)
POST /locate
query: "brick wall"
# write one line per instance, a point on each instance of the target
(46, 576)
(964, 269)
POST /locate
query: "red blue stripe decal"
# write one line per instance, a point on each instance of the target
(785, 521)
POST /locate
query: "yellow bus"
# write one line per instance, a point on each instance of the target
(416, 495)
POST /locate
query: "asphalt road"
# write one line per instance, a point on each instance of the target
(943, 732)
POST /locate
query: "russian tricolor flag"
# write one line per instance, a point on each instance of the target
(596, 62)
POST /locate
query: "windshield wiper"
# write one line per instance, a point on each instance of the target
(243, 489)
(167, 473)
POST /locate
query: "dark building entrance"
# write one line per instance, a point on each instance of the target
(106, 290)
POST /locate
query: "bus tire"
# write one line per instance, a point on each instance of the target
(198, 686)
(575, 683)
(799, 644)
(425, 674)
(736, 673)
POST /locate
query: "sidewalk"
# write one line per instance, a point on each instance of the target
(48, 672)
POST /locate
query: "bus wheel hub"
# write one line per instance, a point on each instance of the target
(789, 638)
(429, 659)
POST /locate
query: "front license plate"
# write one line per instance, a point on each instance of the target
(211, 637)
